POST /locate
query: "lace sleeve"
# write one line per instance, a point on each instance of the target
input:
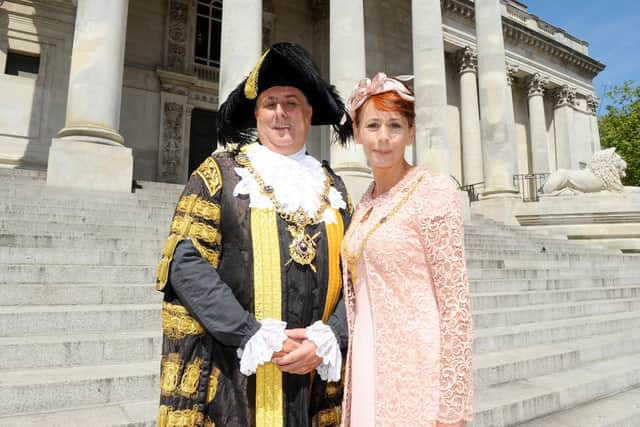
(445, 249)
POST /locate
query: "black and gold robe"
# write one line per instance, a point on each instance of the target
(224, 267)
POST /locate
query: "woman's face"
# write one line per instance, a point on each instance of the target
(384, 136)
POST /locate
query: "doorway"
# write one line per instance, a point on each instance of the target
(204, 137)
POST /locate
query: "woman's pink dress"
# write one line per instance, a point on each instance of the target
(409, 361)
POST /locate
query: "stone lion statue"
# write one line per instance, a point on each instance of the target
(603, 173)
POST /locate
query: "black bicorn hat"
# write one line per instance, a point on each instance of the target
(283, 64)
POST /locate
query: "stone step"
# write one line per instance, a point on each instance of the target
(488, 300)
(510, 263)
(528, 254)
(533, 361)
(524, 285)
(512, 316)
(50, 351)
(517, 402)
(46, 256)
(76, 240)
(591, 271)
(16, 321)
(12, 226)
(126, 414)
(620, 410)
(45, 274)
(502, 338)
(35, 191)
(75, 205)
(113, 217)
(37, 390)
(22, 173)
(78, 294)
(552, 273)
(568, 247)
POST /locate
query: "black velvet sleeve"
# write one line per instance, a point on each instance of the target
(200, 288)
(338, 324)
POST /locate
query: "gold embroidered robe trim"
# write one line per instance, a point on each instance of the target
(267, 304)
(177, 323)
(329, 417)
(201, 208)
(212, 387)
(335, 233)
(211, 255)
(167, 417)
(210, 174)
(191, 378)
(170, 373)
(187, 226)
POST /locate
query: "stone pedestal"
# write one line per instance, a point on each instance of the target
(92, 166)
(347, 67)
(431, 146)
(537, 124)
(500, 207)
(93, 105)
(496, 106)
(470, 118)
(241, 44)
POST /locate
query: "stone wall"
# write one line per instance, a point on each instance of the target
(32, 108)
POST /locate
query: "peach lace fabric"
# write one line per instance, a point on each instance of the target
(417, 297)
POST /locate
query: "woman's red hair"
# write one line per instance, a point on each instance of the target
(390, 101)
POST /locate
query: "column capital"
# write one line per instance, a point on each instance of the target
(512, 70)
(467, 60)
(565, 95)
(536, 84)
(592, 104)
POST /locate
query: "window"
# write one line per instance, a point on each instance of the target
(19, 64)
(208, 29)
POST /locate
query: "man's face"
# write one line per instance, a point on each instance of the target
(283, 119)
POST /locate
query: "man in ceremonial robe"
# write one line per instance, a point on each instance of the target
(253, 317)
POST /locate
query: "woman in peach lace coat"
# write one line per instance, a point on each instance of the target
(409, 361)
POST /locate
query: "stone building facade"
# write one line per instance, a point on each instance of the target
(129, 88)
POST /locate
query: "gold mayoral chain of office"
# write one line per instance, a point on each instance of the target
(302, 248)
(352, 258)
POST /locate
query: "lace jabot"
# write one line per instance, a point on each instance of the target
(298, 182)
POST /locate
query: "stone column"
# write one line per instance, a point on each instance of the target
(563, 124)
(496, 107)
(431, 147)
(592, 105)
(537, 124)
(241, 43)
(470, 117)
(347, 66)
(89, 151)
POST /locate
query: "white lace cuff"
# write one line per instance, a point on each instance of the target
(327, 348)
(261, 346)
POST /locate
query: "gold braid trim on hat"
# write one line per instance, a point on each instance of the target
(251, 86)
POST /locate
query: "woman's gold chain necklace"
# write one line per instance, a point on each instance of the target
(352, 259)
(302, 248)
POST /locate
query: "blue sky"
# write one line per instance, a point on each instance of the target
(612, 28)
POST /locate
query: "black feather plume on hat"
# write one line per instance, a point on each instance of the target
(283, 64)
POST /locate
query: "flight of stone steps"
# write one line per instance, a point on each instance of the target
(557, 325)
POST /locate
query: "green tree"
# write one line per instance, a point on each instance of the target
(620, 127)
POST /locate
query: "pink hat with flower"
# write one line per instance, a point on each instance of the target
(380, 83)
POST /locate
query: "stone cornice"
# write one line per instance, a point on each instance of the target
(520, 33)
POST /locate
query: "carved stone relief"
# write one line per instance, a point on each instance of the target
(172, 148)
(177, 34)
(467, 60)
(536, 84)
